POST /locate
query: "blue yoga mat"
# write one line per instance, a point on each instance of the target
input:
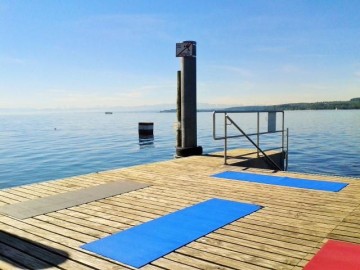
(283, 181)
(149, 241)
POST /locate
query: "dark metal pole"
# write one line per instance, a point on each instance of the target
(178, 111)
(188, 102)
(187, 52)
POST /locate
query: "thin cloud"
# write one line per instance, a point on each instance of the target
(73, 98)
(152, 87)
(12, 60)
(95, 100)
(121, 26)
(314, 86)
(239, 71)
(271, 49)
(290, 69)
(310, 55)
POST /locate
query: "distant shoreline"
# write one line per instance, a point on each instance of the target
(352, 104)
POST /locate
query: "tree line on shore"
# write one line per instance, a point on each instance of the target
(352, 104)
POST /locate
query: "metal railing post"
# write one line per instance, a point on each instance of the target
(287, 148)
(214, 125)
(225, 141)
(282, 131)
(260, 152)
(258, 135)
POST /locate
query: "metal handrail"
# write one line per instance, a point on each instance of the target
(257, 147)
(258, 133)
(251, 134)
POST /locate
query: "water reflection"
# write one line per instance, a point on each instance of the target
(146, 141)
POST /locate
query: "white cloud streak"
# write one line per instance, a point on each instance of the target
(236, 70)
(58, 98)
(9, 60)
(121, 26)
(290, 69)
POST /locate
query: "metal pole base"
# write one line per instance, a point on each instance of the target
(189, 151)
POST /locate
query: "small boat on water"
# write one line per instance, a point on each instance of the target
(108, 113)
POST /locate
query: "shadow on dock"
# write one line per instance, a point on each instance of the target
(251, 160)
(21, 252)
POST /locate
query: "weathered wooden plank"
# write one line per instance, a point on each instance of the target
(263, 246)
(40, 252)
(264, 240)
(109, 214)
(73, 226)
(239, 255)
(57, 242)
(215, 258)
(285, 234)
(84, 223)
(67, 232)
(169, 264)
(151, 267)
(6, 221)
(22, 258)
(101, 223)
(6, 264)
(194, 262)
(276, 229)
(272, 235)
(114, 212)
(220, 241)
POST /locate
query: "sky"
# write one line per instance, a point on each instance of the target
(96, 54)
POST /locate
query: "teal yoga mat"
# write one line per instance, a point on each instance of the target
(283, 181)
(149, 241)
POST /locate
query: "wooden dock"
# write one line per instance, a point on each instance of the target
(285, 234)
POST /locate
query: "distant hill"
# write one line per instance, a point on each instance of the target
(352, 104)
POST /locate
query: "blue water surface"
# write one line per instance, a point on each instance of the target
(44, 146)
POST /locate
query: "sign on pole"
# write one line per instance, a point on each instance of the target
(185, 49)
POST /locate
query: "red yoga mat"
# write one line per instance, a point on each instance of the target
(336, 255)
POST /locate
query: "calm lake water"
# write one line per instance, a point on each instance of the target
(38, 147)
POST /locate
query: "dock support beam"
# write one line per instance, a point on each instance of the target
(187, 51)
